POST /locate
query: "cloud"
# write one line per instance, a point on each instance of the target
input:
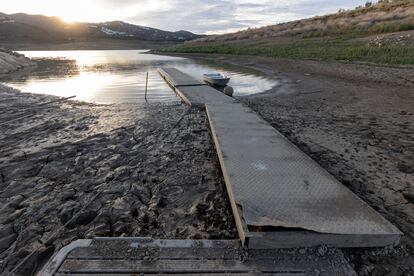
(218, 16)
(200, 16)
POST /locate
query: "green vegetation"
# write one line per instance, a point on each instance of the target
(354, 52)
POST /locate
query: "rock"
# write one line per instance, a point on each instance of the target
(6, 242)
(229, 91)
(83, 218)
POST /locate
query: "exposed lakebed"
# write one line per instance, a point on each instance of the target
(119, 76)
(78, 170)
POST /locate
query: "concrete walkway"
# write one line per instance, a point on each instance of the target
(280, 197)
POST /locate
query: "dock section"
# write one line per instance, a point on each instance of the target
(144, 256)
(280, 197)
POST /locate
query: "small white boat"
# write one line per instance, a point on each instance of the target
(216, 79)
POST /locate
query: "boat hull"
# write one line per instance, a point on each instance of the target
(217, 82)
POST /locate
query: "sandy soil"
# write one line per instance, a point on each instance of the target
(74, 170)
(357, 122)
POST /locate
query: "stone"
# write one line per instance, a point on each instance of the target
(229, 91)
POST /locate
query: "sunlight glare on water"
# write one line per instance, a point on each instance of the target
(118, 76)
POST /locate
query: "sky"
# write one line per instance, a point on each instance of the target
(199, 16)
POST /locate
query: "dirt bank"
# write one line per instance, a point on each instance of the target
(356, 121)
(11, 62)
(74, 170)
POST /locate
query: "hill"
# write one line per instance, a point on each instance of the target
(18, 29)
(379, 33)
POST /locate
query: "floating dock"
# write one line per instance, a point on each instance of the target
(145, 256)
(280, 197)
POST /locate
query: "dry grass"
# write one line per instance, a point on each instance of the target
(365, 34)
(396, 15)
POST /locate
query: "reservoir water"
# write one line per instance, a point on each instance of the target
(118, 76)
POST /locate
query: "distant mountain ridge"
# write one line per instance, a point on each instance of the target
(39, 28)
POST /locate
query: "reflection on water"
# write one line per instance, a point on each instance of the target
(118, 76)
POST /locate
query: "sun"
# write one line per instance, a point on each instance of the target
(87, 10)
(75, 11)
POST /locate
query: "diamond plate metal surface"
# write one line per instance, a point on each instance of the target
(276, 184)
(204, 94)
(177, 78)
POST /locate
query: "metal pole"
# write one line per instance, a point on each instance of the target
(146, 88)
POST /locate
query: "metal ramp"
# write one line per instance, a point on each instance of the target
(145, 256)
(280, 197)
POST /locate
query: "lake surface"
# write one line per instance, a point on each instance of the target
(118, 76)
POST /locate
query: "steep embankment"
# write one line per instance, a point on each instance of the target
(381, 33)
(11, 61)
